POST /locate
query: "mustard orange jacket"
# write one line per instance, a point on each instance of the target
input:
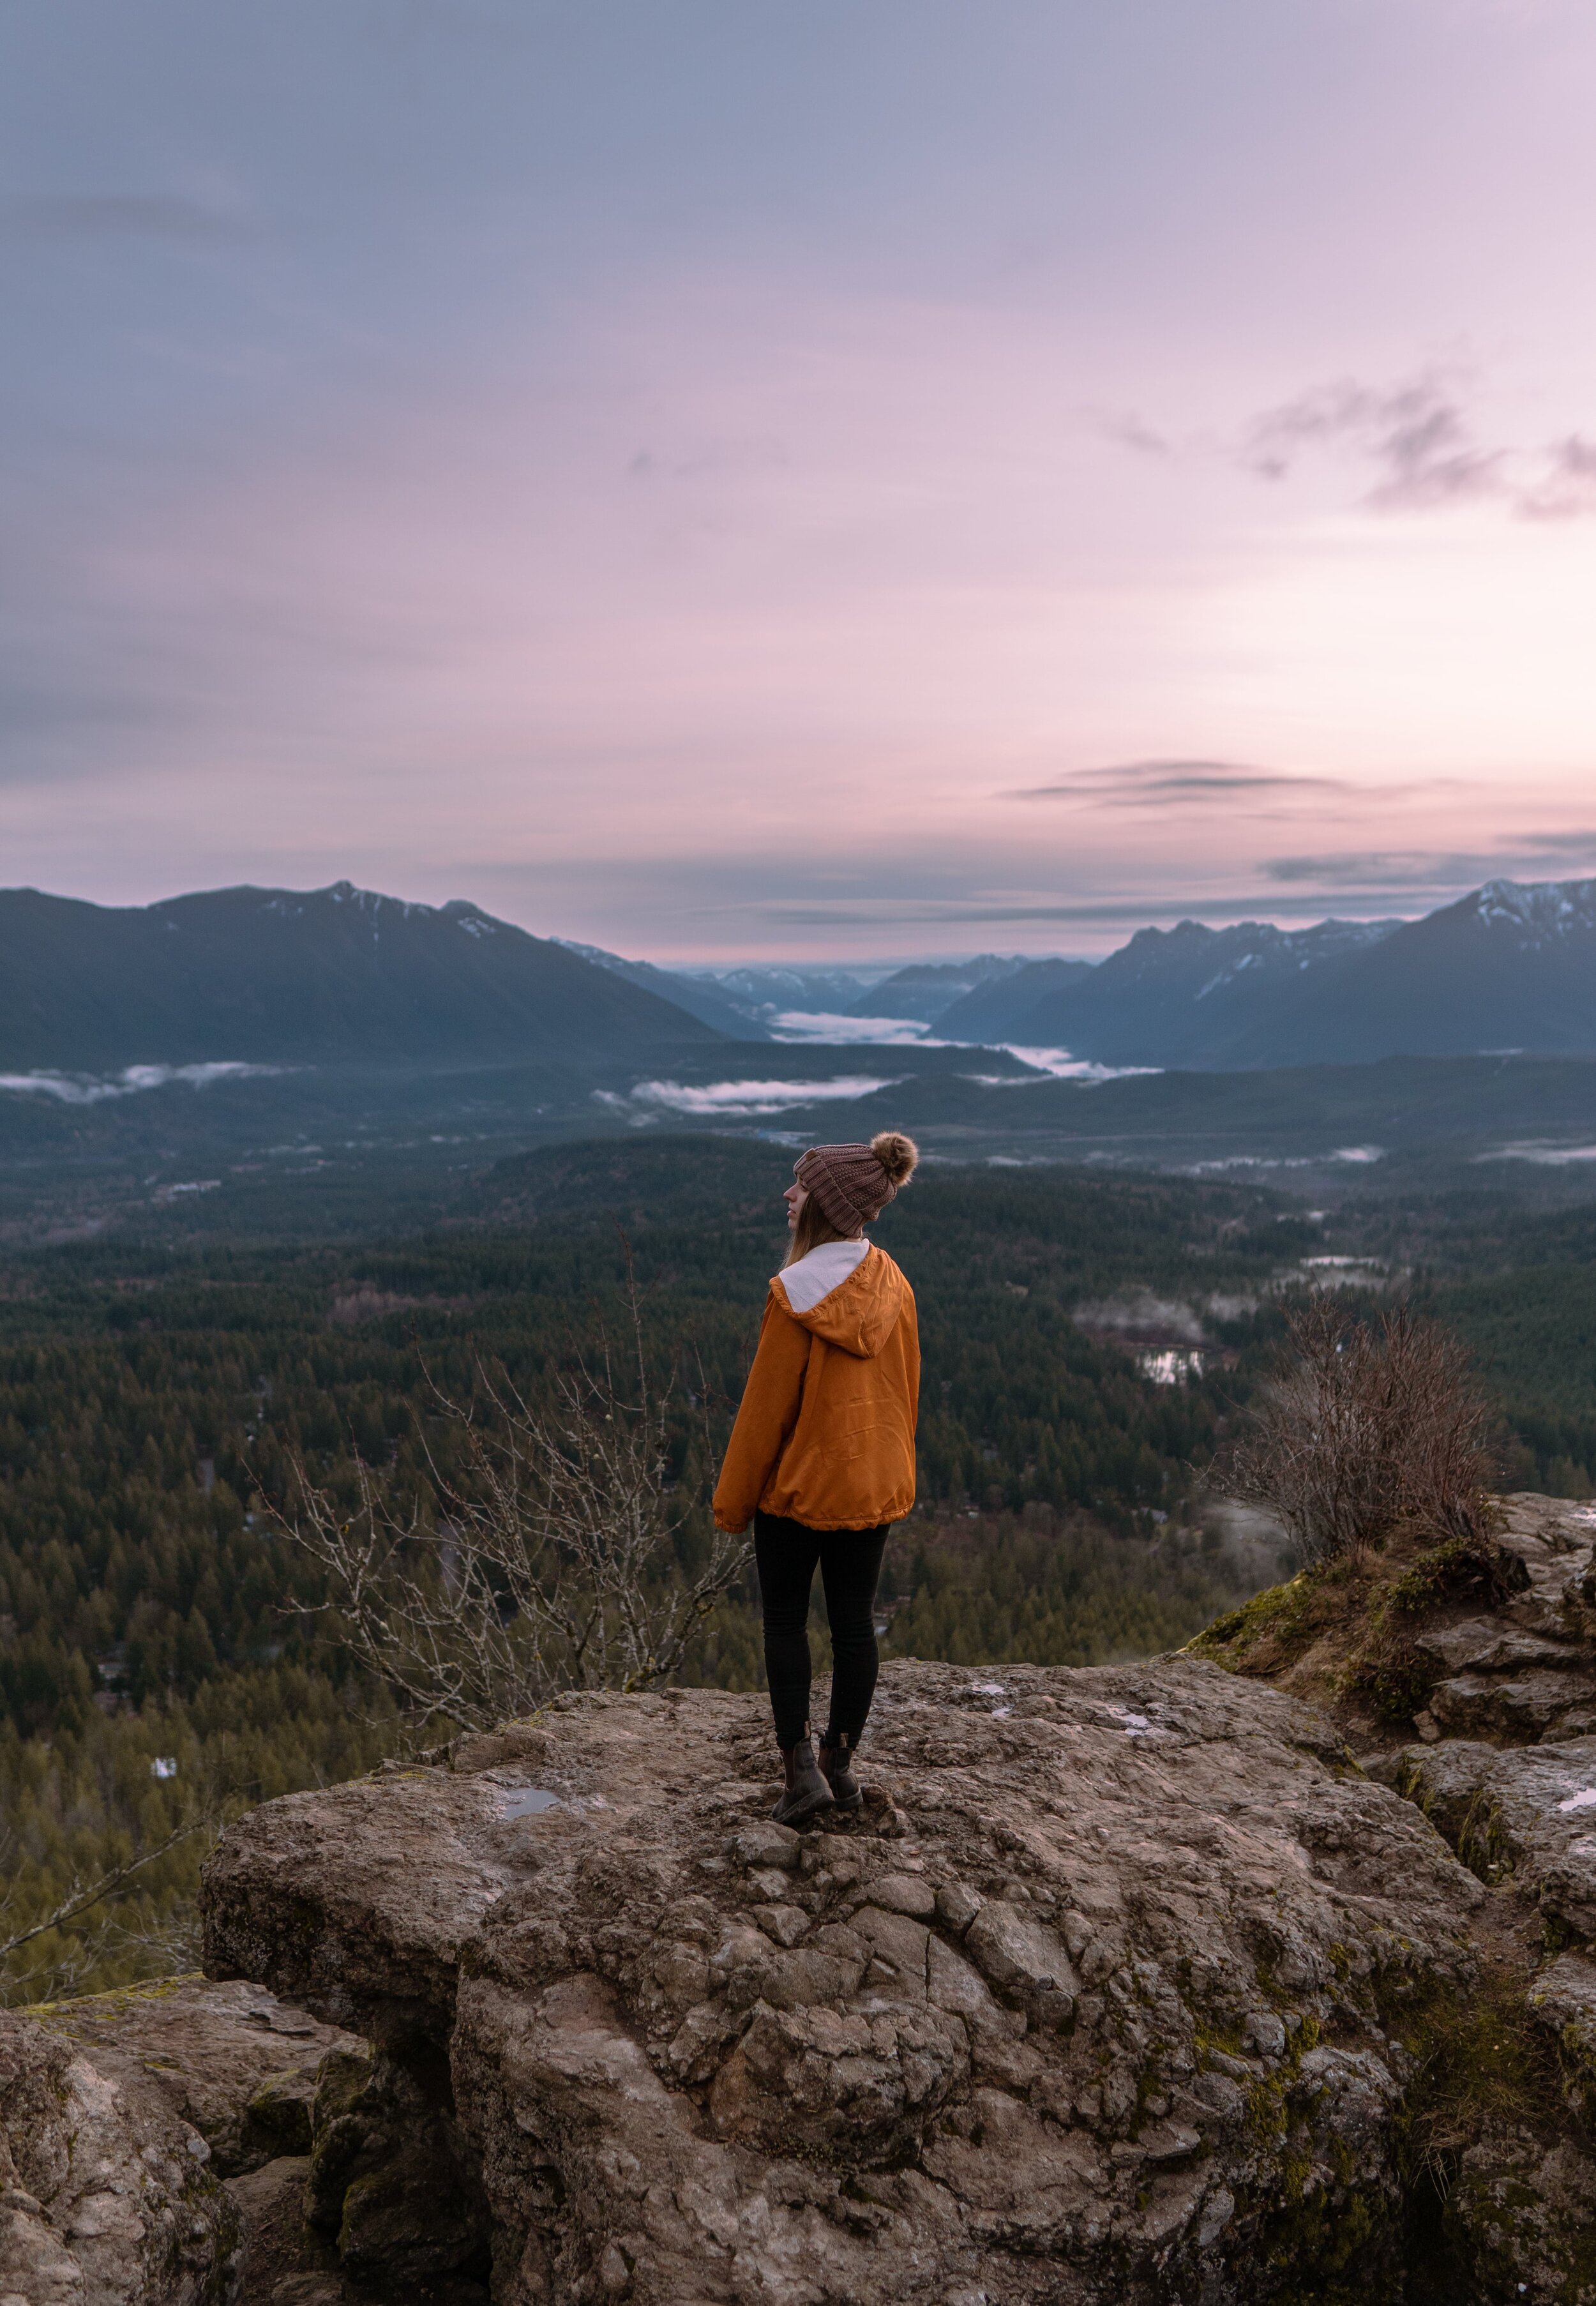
(826, 1432)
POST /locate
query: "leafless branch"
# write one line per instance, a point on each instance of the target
(1363, 1425)
(550, 1561)
(83, 1895)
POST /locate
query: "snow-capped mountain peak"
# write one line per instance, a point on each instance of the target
(1542, 908)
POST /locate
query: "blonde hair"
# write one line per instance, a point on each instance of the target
(812, 1229)
(897, 1154)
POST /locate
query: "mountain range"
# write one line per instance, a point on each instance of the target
(1510, 967)
(282, 977)
(343, 975)
(770, 992)
(705, 997)
(749, 1002)
(1171, 996)
(926, 990)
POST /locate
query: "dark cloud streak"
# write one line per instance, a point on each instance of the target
(1393, 868)
(1129, 913)
(1161, 785)
(88, 217)
(1540, 857)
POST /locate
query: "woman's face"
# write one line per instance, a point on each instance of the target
(794, 1197)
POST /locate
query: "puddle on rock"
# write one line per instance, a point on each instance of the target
(526, 1801)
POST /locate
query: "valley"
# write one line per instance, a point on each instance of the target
(217, 1252)
(1087, 1334)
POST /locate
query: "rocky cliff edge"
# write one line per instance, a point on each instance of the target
(1156, 1984)
(1124, 1987)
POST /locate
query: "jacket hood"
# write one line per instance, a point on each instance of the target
(860, 1314)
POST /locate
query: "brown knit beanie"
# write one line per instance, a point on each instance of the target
(853, 1184)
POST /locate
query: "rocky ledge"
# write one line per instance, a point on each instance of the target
(1492, 1640)
(1261, 1974)
(121, 2116)
(1127, 1985)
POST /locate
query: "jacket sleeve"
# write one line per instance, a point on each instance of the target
(765, 1416)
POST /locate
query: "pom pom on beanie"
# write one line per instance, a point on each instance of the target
(853, 1184)
(897, 1154)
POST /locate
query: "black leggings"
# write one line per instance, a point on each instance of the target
(786, 1553)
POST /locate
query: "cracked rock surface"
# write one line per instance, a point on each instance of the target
(227, 2057)
(1085, 2005)
(107, 2195)
(1528, 1811)
(1527, 1670)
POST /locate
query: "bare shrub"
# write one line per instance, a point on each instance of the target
(560, 1555)
(1363, 1425)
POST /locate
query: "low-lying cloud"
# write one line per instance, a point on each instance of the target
(1543, 1153)
(87, 1088)
(824, 1025)
(728, 1100)
(1057, 1064)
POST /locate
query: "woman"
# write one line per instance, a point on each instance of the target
(822, 1456)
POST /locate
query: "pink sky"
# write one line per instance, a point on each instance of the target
(805, 489)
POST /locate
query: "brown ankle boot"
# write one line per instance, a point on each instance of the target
(836, 1755)
(804, 1791)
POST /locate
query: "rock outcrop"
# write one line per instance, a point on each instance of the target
(1109, 1993)
(1159, 1984)
(1464, 1676)
(121, 2116)
(227, 2057)
(1495, 1640)
(107, 2195)
(1527, 1669)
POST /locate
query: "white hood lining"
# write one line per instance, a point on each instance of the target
(825, 1268)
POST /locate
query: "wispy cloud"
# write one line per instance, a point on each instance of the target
(1567, 489)
(1134, 431)
(1422, 443)
(30, 707)
(761, 455)
(1416, 435)
(1550, 846)
(1365, 869)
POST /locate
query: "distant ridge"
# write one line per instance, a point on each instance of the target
(1171, 996)
(349, 976)
(700, 996)
(1510, 967)
(1001, 1008)
(928, 990)
(284, 976)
